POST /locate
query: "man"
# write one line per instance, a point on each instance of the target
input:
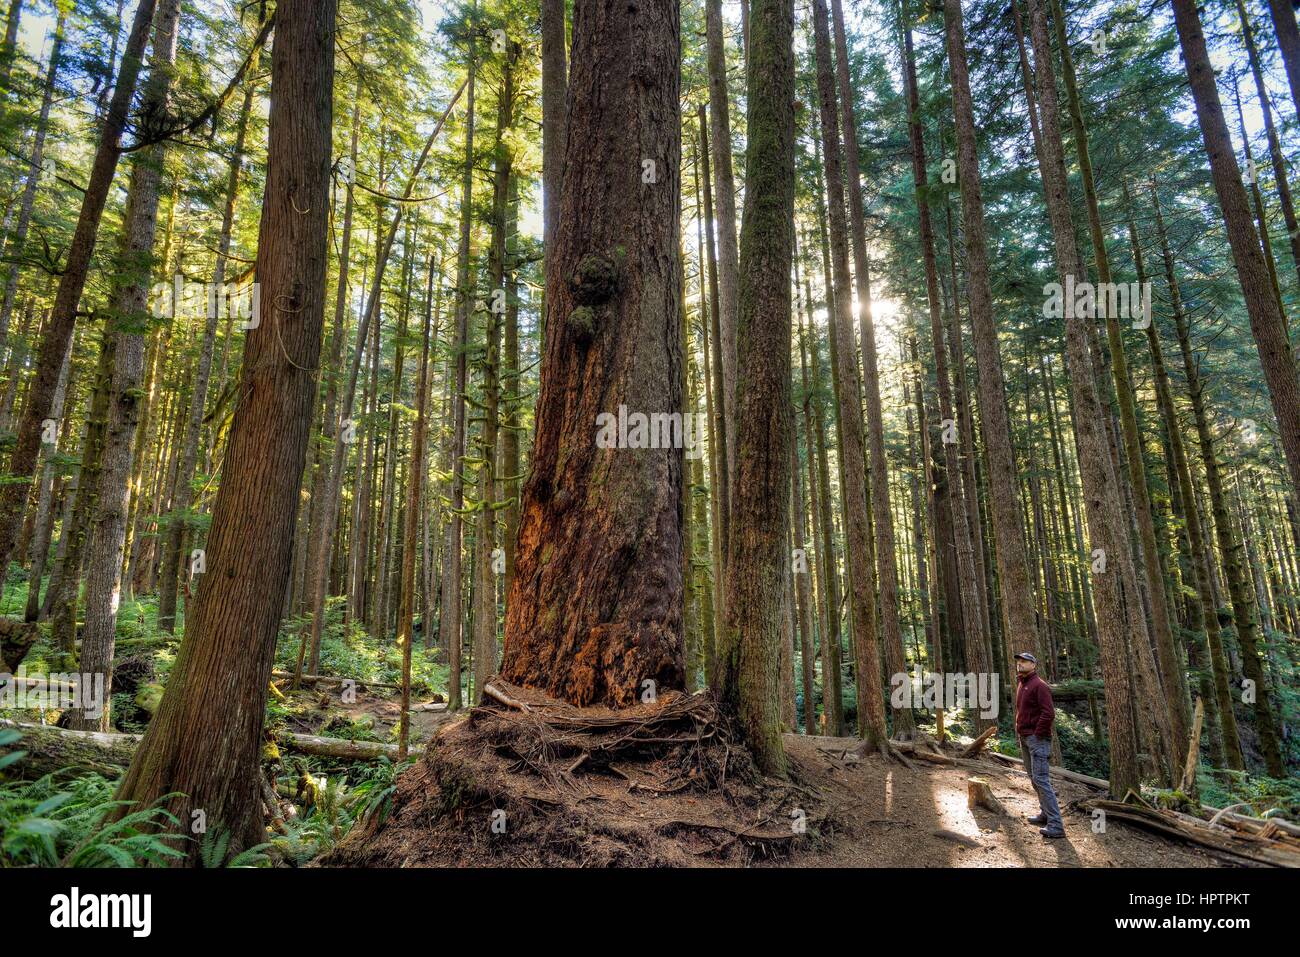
(1034, 716)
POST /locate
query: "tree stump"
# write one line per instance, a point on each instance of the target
(979, 794)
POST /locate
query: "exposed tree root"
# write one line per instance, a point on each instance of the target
(527, 780)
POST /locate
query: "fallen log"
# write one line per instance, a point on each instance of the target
(1065, 773)
(337, 747)
(50, 749)
(1236, 846)
(108, 753)
(1253, 825)
(336, 680)
(920, 753)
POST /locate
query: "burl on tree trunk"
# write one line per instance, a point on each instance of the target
(595, 608)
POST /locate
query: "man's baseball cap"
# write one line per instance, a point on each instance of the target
(1027, 656)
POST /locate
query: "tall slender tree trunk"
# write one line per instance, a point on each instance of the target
(35, 168)
(202, 751)
(722, 419)
(414, 487)
(1172, 678)
(174, 543)
(1230, 547)
(885, 545)
(318, 576)
(485, 614)
(43, 526)
(871, 716)
(554, 91)
(1280, 176)
(9, 50)
(1110, 553)
(758, 569)
(1267, 323)
(1202, 615)
(1019, 618)
(128, 322)
(449, 617)
(954, 496)
(728, 255)
(1288, 41)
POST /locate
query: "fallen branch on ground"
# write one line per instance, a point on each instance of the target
(977, 745)
(1274, 848)
(51, 749)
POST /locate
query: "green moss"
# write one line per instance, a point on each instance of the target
(582, 323)
(595, 280)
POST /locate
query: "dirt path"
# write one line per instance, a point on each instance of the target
(895, 817)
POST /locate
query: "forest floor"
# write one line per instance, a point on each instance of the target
(538, 783)
(893, 816)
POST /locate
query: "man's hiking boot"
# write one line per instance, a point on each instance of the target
(1038, 820)
(1046, 832)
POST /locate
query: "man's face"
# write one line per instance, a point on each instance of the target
(1024, 667)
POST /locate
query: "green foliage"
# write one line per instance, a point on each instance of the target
(1267, 797)
(65, 823)
(214, 851)
(348, 651)
(332, 806)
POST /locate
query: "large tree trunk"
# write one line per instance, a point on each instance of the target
(596, 605)
(758, 569)
(1110, 552)
(953, 497)
(871, 707)
(204, 745)
(1172, 678)
(1019, 615)
(1267, 324)
(128, 322)
(63, 316)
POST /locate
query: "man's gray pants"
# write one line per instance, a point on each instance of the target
(1036, 753)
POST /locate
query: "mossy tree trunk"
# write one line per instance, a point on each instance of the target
(595, 609)
(758, 570)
